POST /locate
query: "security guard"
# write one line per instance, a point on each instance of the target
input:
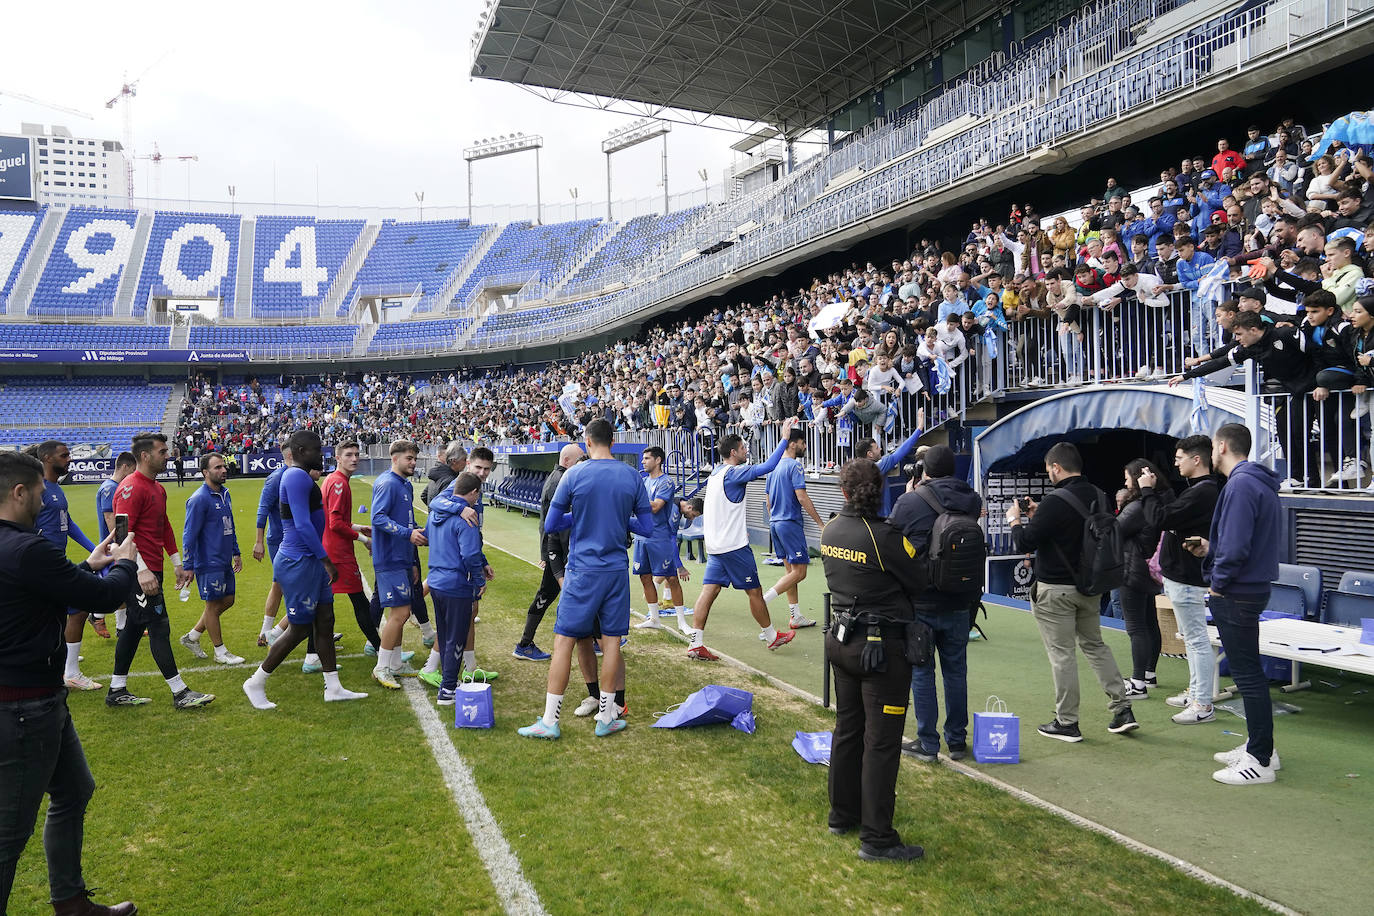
(870, 570)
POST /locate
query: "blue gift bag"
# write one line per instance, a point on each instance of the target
(814, 747)
(996, 734)
(473, 707)
(712, 703)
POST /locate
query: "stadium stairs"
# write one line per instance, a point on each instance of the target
(365, 334)
(172, 414)
(343, 282)
(36, 261)
(443, 299)
(607, 232)
(180, 339)
(243, 282)
(128, 284)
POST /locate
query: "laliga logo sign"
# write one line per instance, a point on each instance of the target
(14, 162)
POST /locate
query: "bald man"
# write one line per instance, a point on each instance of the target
(553, 556)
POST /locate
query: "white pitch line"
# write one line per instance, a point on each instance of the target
(248, 665)
(518, 896)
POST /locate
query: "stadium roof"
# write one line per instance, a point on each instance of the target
(762, 61)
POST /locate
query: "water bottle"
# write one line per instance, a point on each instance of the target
(186, 594)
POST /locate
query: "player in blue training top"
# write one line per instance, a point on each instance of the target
(657, 554)
(105, 516)
(269, 536)
(210, 550)
(457, 574)
(786, 496)
(602, 500)
(729, 560)
(868, 448)
(305, 573)
(55, 523)
(394, 561)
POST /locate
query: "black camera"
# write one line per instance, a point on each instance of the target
(915, 470)
(1023, 503)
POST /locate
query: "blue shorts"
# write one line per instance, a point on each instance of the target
(273, 545)
(789, 542)
(594, 599)
(215, 583)
(304, 587)
(735, 569)
(394, 587)
(656, 558)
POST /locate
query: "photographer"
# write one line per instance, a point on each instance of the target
(870, 576)
(936, 493)
(39, 749)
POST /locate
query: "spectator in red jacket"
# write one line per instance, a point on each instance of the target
(1227, 158)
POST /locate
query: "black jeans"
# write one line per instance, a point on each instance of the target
(1237, 623)
(40, 753)
(1142, 626)
(870, 713)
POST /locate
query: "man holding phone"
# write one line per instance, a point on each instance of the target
(105, 517)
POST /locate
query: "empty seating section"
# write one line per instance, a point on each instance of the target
(295, 261)
(631, 243)
(418, 335)
(523, 250)
(89, 256)
(84, 337)
(521, 488)
(297, 342)
(508, 328)
(17, 231)
(96, 410)
(410, 254)
(190, 255)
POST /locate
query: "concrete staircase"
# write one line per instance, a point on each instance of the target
(128, 284)
(364, 338)
(343, 280)
(243, 283)
(474, 257)
(172, 414)
(607, 233)
(181, 335)
(32, 270)
(466, 336)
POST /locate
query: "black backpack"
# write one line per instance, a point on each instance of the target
(1101, 564)
(956, 559)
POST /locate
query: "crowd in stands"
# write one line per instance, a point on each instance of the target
(1024, 301)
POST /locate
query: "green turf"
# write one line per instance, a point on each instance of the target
(315, 809)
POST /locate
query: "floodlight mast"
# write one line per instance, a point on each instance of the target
(506, 145)
(632, 134)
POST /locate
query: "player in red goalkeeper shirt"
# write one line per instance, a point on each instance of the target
(340, 534)
(144, 500)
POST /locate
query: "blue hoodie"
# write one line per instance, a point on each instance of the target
(1243, 554)
(456, 561)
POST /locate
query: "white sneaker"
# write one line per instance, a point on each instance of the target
(1195, 714)
(800, 622)
(1245, 772)
(588, 706)
(1290, 483)
(1182, 701)
(193, 646)
(341, 694)
(82, 682)
(229, 658)
(1235, 755)
(1361, 406)
(649, 623)
(1158, 375)
(1351, 471)
(1144, 373)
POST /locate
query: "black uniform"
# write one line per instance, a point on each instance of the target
(553, 550)
(870, 571)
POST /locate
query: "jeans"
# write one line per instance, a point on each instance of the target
(951, 644)
(1237, 623)
(40, 753)
(1190, 610)
(1071, 348)
(1203, 320)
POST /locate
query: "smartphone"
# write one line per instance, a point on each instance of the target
(121, 529)
(1024, 503)
(1192, 542)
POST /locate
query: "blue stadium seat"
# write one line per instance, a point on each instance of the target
(1297, 590)
(418, 335)
(17, 232)
(269, 342)
(410, 254)
(99, 411)
(296, 260)
(1352, 601)
(523, 250)
(86, 336)
(194, 255)
(89, 256)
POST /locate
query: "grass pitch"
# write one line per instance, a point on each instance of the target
(342, 808)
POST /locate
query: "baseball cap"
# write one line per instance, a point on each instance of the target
(1253, 292)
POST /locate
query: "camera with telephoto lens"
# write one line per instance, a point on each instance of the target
(914, 470)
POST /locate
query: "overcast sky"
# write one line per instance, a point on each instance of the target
(374, 95)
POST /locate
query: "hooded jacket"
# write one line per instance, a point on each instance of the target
(456, 561)
(1243, 553)
(915, 518)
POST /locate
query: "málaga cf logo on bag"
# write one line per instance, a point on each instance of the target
(998, 739)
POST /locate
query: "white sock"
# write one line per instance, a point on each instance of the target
(119, 618)
(176, 683)
(311, 658)
(698, 639)
(605, 707)
(280, 628)
(267, 621)
(432, 663)
(794, 610)
(118, 680)
(193, 636)
(258, 677)
(331, 680)
(682, 615)
(1151, 676)
(770, 596)
(221, 651)
(427, 630)
(653, 611)
(73, 666)
(470, 659)
(770, 633)
(553, 706)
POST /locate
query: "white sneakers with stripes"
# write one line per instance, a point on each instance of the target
(1242, 769)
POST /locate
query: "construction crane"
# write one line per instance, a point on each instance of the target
(126, 94)
(33, 101)
(157, 159)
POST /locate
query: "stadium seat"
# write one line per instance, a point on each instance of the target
(17, 232)
(88, 259)
(1352, 601)
(1297, 590)
(523, 250)
(407, 255)
(296, 260)
(96, 411)
(193, 256)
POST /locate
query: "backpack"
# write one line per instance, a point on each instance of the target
(957, 554)
(1101, 563)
